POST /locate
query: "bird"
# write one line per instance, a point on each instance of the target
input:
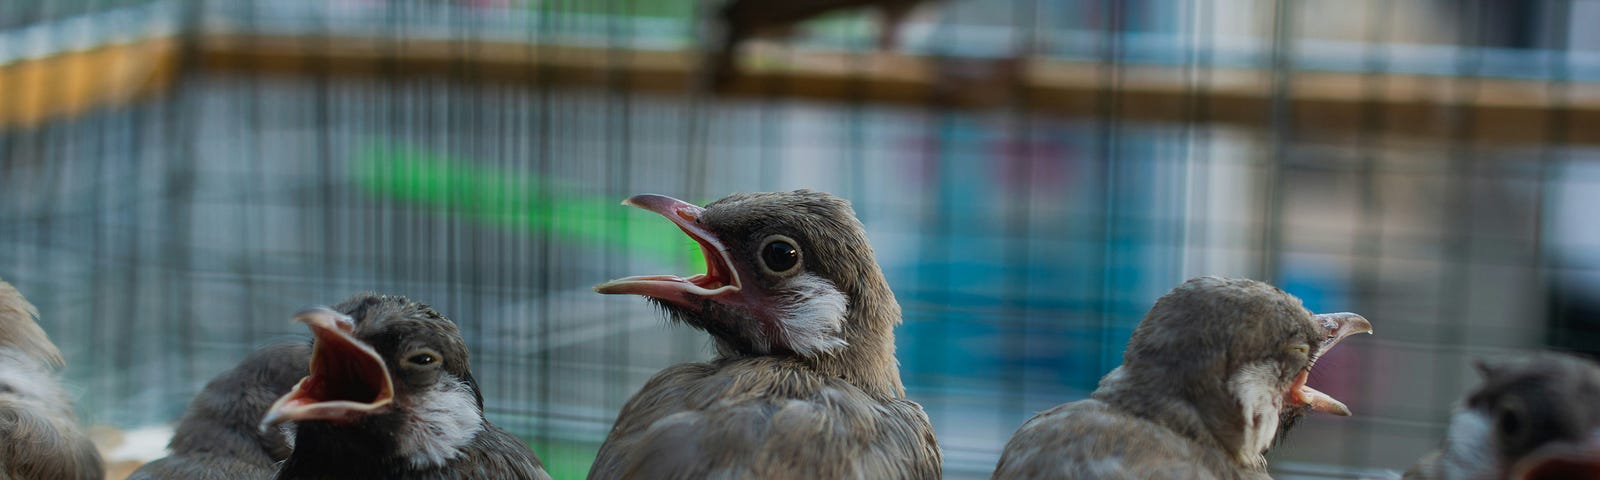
(1212, 378)
(736, 21)
(39, 432)
(1532, 417)
(804, 382)
(390, 394)
(218, 438)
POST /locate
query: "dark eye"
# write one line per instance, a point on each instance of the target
(780, 256)
(1511, 421)
(422, 359)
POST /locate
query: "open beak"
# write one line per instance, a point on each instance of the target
(1337, 326)
(348, 378)
(720, 278)
(1565, 460)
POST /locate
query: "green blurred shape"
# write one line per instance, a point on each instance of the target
(521, 201)
(565, 459)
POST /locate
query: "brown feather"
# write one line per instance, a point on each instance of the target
(765, 417)
(19, 328)
(39, 434)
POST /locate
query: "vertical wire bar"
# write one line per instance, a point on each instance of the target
(1555, 151)
(123, 136)
(180, 308)
(542, 161)
(1019, 223)
(620, 162)
(1456, 237)
(1108, 129)
(1196, 139)
(1281, 113)
(1367, 244)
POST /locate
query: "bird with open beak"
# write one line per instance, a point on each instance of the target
(217, 438)
(1533, 418)
(391, 395)
(804, 383)
(39, 434)
(1213, 377)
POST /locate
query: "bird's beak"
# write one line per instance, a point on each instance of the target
(1337, 326)
(721, 278)
(1565, 460)
(348, 378)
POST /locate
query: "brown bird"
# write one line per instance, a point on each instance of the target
(39, 434)
(1213, 377)
(391, 395)
(1532, 418)
(740, 20)
(218, 437)
(804, 383)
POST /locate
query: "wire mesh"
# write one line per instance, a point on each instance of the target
(165, 235)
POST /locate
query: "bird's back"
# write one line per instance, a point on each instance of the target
(764, 417)
(1091, 440)
(39, 434)
(218, 437)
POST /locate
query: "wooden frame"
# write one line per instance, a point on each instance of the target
(1315, 103)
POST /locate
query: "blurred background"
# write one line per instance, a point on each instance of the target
(178, 177)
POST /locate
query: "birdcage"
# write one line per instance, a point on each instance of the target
(177, 178)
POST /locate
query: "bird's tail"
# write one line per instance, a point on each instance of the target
(19, 328)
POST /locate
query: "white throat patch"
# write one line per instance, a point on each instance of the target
(27, 381)
(439, 423)
(1470, 437)
(811, 314)
(1260, 401)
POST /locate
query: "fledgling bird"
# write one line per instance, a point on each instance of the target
(391, 395)
(804, 383)
(218, 438)
(739, 20)
(1213, 377)
(39, 433)
(1535, 417)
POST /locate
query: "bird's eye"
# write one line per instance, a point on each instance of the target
(780, 255)
(1510, 421)
(1301, 348)
(422, 359)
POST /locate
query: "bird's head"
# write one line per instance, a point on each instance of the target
(1532, 418)
(786, 273)
(1243, 349)
(389, 363)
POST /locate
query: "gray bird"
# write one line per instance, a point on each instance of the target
(804, 383)
(218, 437)
(39, 433)
(391, 395)
(1212, 378)
(739, 20)
(1533, 417)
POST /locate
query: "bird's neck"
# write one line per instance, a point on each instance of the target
(868, 361)
(323, 450)
(1207, 415)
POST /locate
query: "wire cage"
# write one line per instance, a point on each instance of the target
(178, 178)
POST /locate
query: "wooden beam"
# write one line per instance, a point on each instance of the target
(1320, 103)
(1490, 111)
(71, 83)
